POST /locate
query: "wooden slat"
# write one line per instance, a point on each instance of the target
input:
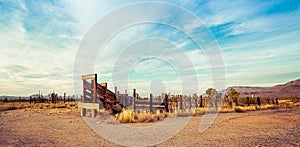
(88, 94)
(87, 85)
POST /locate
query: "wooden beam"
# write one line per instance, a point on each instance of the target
(90, 76)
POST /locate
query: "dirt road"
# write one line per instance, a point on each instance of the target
(64, 127)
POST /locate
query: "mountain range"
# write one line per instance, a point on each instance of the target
(290, 89)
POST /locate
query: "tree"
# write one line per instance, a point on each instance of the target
(233, 96)
(213, 97)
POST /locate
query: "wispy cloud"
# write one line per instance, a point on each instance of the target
(259, 41)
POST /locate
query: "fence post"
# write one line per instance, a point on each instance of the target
(118, 96)
(151, 101)
(181, 107)
(201, 101)
(166, 103)
(134, 99)
(258, 101)
(30, 100)
(248, 101)
(64, 97)
(83, 92)
(196, 101)
(126, 98)
(190, 100)
(116, 93)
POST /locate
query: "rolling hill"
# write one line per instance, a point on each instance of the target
(290, 89)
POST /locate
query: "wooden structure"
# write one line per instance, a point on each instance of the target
(91, 91)
(150, 104)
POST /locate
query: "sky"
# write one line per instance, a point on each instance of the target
(255, 43)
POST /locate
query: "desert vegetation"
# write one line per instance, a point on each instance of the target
(213, 102)
(22, 105)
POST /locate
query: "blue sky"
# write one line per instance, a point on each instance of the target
(259, 42)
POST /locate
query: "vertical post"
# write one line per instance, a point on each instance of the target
(151, 101)
(116, 93)
(56, 98)
(166, 103)
(64, 97)
(126, 99)
(201, 101)
(83, 92)
(190, 101)
(277, 103)
(181, 106)
(92, 92)
(118, 96)
(196, 101)
(83, 111)
(39, 98)
(94, 83)
(258, 101)
(248, 101)
(30, 100)
(134, 99)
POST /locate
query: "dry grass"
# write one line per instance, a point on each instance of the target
(22, 105)
(128, 116)
(286, 103)
(14, 106)
(198, 111)
(224, 109)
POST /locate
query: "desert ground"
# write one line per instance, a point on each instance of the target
(65, 127)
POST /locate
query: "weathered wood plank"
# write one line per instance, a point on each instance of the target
(90, 76)
(89, 106)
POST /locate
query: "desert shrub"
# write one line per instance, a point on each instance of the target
(60, 106)
(116, 109)
(44, 105)
(8, 106)
(182, 113)
(286, 103)
(250, 108)
(128, 116)
(72, 104)
(198, 111)
(268, 106)
(224, 109)
(239, 109)
(51, 106)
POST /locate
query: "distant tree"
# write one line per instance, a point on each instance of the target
(5, 100)
(233, 96)
(213, 97)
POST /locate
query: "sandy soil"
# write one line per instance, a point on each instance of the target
(64, 127)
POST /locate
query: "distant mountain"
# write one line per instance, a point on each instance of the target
(290, 89)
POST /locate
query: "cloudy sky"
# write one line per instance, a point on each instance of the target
(257, 44)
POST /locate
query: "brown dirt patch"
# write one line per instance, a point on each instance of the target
(64, 127)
